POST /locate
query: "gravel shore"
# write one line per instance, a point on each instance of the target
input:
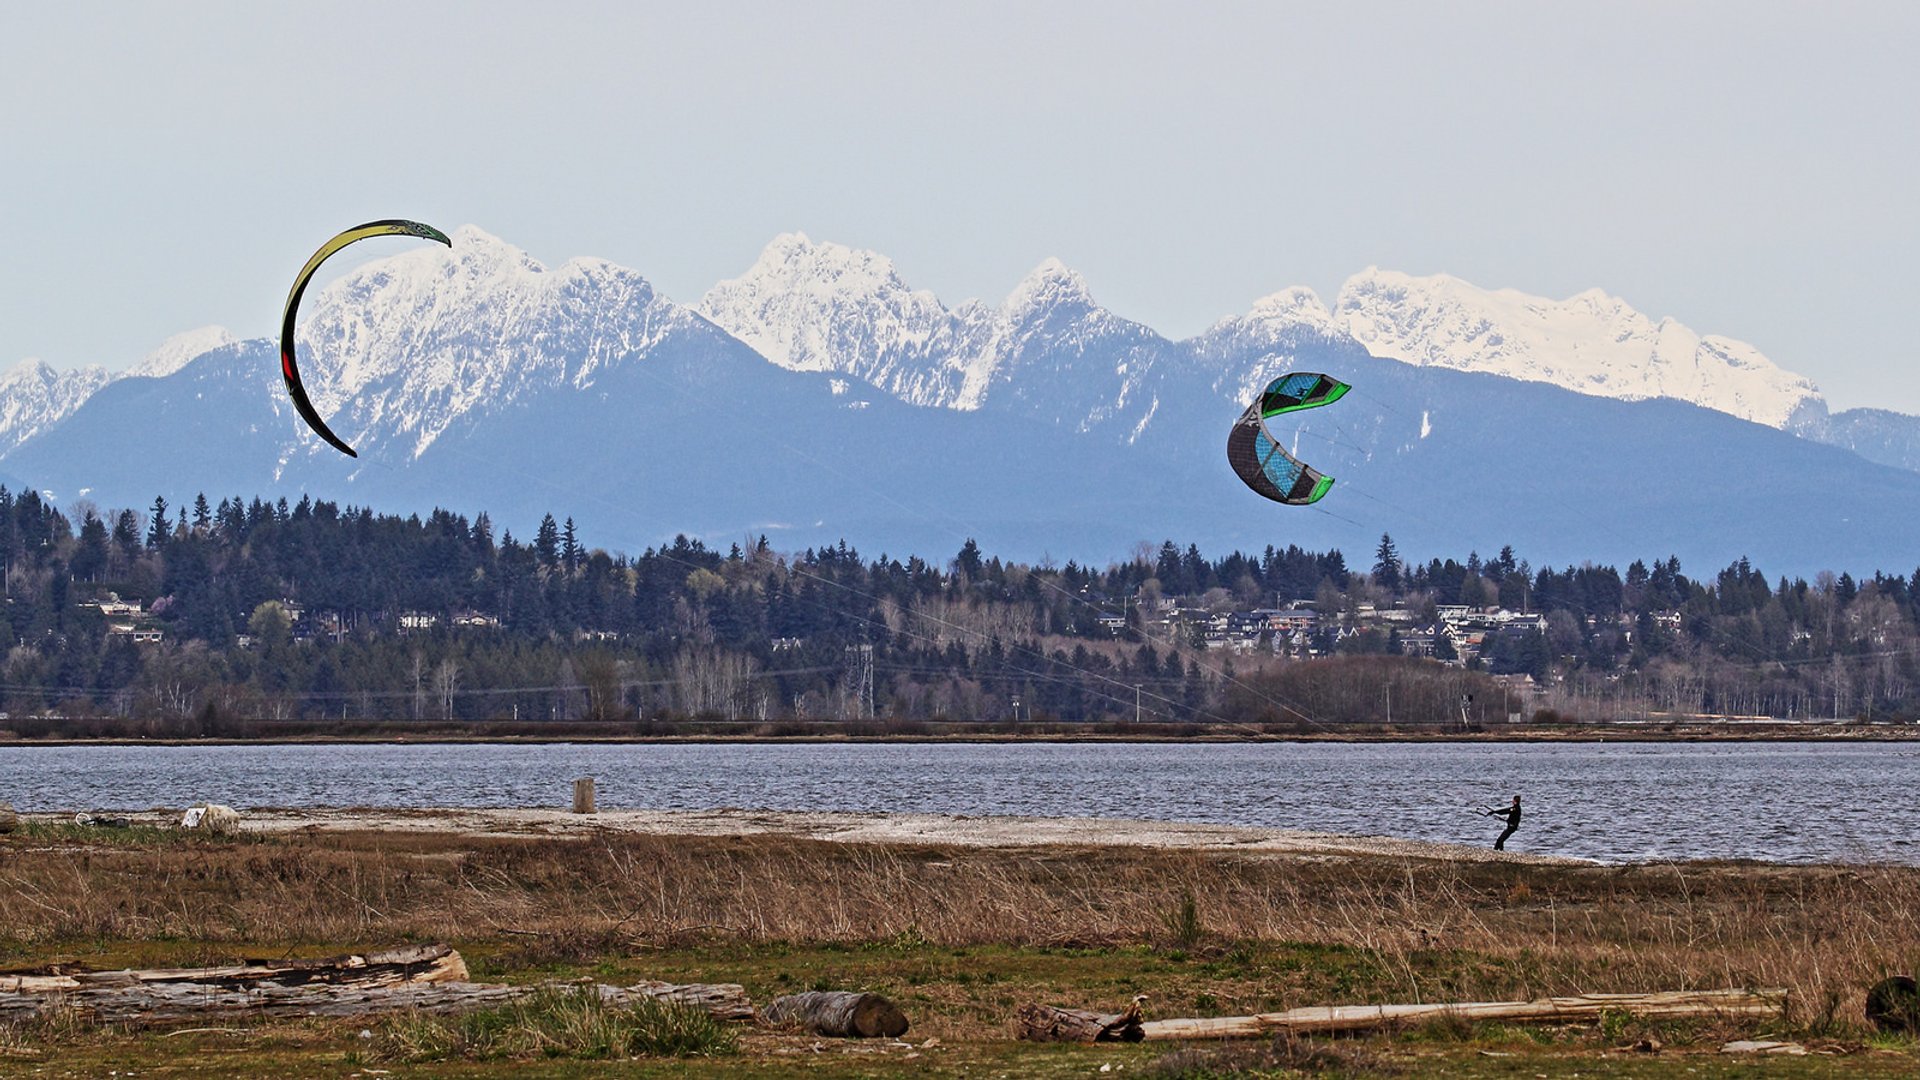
(954, 830)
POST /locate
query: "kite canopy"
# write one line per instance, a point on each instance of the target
(1260, 459)
(288, 370)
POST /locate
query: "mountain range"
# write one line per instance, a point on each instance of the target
(818, 397)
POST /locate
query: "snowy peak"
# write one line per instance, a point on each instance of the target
(181, 349)
(1591, 343)
(1242, 353)
(34, 397)
(1048, 349)
(1050, 287)
(403, 347)
(826, 307)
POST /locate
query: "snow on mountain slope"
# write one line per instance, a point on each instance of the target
(1288, 329)
(181, 349)
(34, 397)
(1591, 343)
(396, 351)
(1049, 350)
(826, 307)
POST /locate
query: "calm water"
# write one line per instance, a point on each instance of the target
(1794, 802)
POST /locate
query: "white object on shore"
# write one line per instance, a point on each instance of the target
(1763, 1046)
(583, 795)
(212, 817)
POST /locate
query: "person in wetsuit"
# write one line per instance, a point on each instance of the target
(1512, 814)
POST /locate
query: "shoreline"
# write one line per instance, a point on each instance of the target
(1622, 734)
(851, 827)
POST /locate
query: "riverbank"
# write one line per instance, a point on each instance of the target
(911, 732)
(944, 830)
(959, 920)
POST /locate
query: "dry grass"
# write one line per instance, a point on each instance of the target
(1274, 931)
(570, 1022)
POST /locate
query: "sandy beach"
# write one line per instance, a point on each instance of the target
(946, 830)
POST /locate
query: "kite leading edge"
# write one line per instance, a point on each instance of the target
(1258, 457)
(288, 370)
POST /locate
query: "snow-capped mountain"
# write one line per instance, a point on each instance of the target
(818, 397)
(1278, 332)
(397, 351)
(1591, 343)
(1048, 351)
(181, 349)
(824, 307)
(34, 397)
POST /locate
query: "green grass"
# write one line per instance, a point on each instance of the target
(555, 1022)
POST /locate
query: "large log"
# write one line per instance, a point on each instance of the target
(1045, 1023)
(722, 1001)
(157, 1004)
(419, 963)
(838, 1012)
(430, 978)
(1579, 1008)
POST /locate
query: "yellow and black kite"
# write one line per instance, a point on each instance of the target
(392, 227)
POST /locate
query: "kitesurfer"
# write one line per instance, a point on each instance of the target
(1512, 814)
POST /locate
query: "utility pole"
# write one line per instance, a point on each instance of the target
(1136, 703)
(860, 672)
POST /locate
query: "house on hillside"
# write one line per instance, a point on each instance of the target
(139, 635)
(113, 605)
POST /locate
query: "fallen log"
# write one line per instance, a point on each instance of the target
(841, 1013)
(1576, 1008)
(722, 1001)
(430, 978)
(159, 1004)
(1893, 1005)
(414, 964)
(1046, 1023)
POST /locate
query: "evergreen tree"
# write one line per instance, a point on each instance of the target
(157, 535)
(546, 543)
(90, 559)
(126, 534)
(1386, 564)
(967, 564)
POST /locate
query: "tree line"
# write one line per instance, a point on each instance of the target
(320, 613)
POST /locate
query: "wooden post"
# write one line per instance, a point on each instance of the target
(583, 795)
(9, 820)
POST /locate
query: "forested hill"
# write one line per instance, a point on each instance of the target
(185, 619)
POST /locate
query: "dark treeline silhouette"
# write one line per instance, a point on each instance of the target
(229, 617)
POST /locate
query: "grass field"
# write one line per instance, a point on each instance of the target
(959, 938)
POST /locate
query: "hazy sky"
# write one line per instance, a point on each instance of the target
(1747, 168)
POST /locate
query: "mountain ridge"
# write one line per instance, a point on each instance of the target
(479, 376)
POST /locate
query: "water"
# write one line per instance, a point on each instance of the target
(1790, 802)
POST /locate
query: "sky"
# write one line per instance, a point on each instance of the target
(1746, 168)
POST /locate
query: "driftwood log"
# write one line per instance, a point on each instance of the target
(722, 1001)
(1045, 1023)
(1893, 1005)
(417, 964)
(1581, 1007)
(427, 979)
(841, 1013)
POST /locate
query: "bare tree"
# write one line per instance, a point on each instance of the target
(446, 680)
